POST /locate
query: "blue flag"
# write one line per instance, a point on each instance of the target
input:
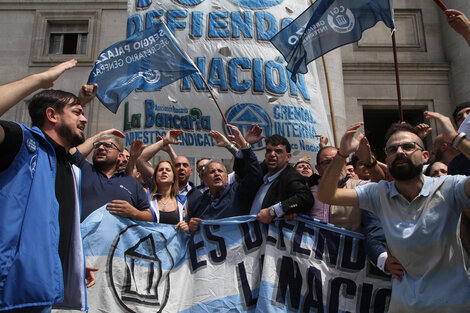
(148, 60)
(327, 25)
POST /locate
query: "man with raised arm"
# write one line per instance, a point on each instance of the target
(104, 183)
(419, 215)
(283, 190)
(220, 199)
(42, 261)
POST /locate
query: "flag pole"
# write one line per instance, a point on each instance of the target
(397, 77)
(215, 99)
(330, 100)
(203, 79)
(441, 5)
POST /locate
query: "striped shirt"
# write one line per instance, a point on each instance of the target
(423, 235)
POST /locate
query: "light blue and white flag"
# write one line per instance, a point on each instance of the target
(148, 60)
(231, 265)
(327, 25)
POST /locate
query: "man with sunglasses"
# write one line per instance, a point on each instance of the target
(104, 183)
(419, 215)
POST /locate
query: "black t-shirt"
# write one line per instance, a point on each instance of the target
(64, 188)
(11, 145)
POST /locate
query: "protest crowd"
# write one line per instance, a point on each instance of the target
(413, 208)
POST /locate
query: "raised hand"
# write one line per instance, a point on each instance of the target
(459, 22)
(253, 136)
(323, 140)
(237, 136)
(171, 136)
(448, 130)
(423, 130)
(48, 77)
(87, 93)
(137, 146)
(220, 139)
(349, 143)
(363, 150)
(305, 159)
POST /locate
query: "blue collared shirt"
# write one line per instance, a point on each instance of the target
(259, 198)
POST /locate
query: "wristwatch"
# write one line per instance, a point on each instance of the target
(272, 212)
(247, 146)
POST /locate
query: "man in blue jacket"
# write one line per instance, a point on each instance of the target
(42, 259)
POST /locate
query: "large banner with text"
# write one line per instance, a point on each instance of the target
(228, 41)
(230, 265)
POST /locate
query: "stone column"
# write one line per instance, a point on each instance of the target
(458, 54)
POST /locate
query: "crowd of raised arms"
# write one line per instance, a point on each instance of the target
(415, 196)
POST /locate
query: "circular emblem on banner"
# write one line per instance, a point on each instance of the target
(341, 20)
(31, 145)
(139, 265)
(243, 115)
(151, 76)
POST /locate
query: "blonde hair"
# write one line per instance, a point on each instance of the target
(174, 188)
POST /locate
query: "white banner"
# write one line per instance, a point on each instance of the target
(236, 265)
(228, 40)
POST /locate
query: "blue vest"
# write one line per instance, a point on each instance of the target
(30, 267)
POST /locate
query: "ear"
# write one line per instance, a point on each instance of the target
(444, 147)
(425, 156)
(289, 156)
(51, 115)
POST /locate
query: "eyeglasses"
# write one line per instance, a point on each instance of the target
(326, 162)
(407, 147)
(107, 145)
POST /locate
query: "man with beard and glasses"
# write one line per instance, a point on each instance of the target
(419, 215)
(104, 183)
(42, 261)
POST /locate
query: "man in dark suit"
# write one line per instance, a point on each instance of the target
(283, 190)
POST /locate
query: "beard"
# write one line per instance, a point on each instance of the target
(403, 172)
(72, 138)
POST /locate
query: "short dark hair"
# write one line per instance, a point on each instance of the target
(320, 152)
(56, 99)
(400, 127)
(276, 140)
(458, 108)
(202, 159)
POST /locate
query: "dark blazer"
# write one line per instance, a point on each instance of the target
(290, 189)
(374, 242)
(235, 199)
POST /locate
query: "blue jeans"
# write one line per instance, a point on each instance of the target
(31, 309)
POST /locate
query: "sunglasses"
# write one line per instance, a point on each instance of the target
(107, 145)
(407, 147)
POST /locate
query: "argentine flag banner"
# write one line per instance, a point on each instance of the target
(148, 60)
(327, 25)
(230, 265)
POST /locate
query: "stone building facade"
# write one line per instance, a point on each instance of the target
(433, 59)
